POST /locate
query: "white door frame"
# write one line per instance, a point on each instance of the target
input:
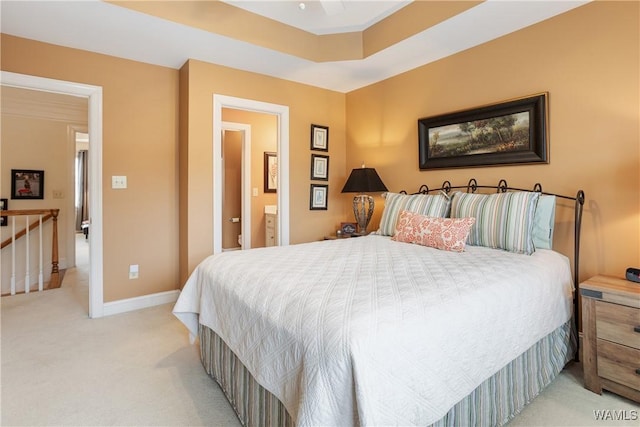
(246, 179)
(282, 113)
(94, 95)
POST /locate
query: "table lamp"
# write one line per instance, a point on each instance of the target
(363, 180)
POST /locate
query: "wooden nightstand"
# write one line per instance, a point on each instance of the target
(335, 236)
(341, 236)
(611, 335)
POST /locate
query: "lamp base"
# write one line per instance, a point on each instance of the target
(363, 210)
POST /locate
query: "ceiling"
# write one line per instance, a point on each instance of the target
(26, 103)
(120, 29)
(323, 17)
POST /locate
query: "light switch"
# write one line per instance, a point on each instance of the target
(255, 192)
(118, 182)
(133, 271)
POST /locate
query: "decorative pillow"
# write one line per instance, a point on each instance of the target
(544, 221)
(503, 220)
(436, 205)
(448, 234)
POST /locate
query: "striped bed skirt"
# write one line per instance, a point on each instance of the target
(493, 403)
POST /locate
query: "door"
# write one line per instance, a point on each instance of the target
(232, 189)
(235, 189)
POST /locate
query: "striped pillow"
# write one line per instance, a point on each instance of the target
(436, 205)
(503, 220)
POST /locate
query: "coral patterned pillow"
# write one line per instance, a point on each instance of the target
(449, 234)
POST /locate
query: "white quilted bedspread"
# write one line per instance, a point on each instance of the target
(368, 331)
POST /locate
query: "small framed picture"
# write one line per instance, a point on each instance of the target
(318, 197)
(348, 228)
(4, 206)
(319, 138)
(319, 167)
(27, 184)
(270, 172)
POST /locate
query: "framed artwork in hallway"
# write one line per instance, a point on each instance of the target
(27, 184)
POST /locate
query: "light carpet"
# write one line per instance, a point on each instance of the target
(138, 369)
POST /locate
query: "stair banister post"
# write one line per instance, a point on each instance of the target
(55, 274)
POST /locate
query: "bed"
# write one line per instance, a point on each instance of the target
(388, 329)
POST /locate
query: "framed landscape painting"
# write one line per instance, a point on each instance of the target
(499, 134)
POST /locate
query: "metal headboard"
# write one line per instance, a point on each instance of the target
(502, 187)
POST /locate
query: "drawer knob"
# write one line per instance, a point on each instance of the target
(636, 329)
(638, 371)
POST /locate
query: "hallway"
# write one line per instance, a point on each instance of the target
(76, 279)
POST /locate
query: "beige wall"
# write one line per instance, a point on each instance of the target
(587, 59)
(140, 107)
(307, 105)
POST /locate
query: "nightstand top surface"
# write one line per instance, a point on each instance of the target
(614, 288)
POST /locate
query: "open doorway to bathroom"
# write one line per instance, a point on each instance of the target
(249, 179)
(280, 113)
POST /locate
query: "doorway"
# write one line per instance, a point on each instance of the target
(282, 113)
(94, 98)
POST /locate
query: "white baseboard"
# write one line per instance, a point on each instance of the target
(136, 303)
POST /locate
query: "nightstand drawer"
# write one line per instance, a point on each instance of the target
(270, 221)
(271, 229)
(619, 363)
(617, 323)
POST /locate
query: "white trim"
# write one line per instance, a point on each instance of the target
(94, 95)
(246, 179)
(282, 112)
(137, 303)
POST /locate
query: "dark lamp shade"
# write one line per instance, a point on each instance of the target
(364, 180)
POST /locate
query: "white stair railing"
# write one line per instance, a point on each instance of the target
(43, 215)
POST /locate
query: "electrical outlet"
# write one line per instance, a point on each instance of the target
(133, 271)
(58, 194)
